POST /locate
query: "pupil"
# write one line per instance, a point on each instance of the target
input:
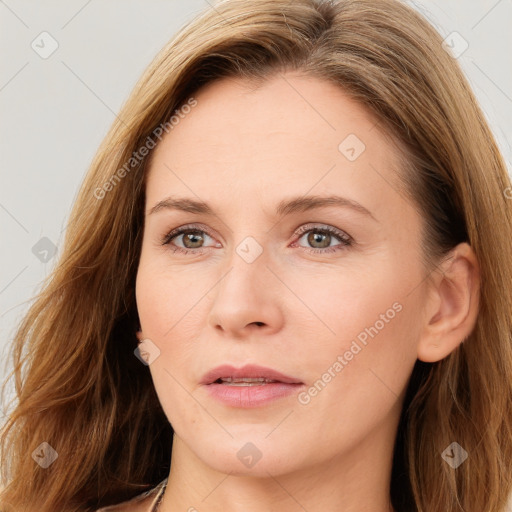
(189, 238)
(314, 238)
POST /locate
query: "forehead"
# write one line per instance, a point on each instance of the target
(290, 133)
(293, 103)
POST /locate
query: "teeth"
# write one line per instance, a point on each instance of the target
(246, 381)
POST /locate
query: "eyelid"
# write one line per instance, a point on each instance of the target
(345, 239)
(303, 228)
(186, 227)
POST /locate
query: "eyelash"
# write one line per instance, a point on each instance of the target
(346, 241)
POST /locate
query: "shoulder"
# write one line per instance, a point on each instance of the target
(141, 503)
(128, 506)
(134, 505)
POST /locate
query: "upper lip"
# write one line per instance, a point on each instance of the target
(250, 371)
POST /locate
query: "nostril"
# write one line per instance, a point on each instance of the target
(259, 323)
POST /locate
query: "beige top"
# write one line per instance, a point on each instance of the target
(157, 491)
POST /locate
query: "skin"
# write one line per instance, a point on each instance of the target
(242, 150)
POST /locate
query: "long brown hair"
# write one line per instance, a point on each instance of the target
(81, 389)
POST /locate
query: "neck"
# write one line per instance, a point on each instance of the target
(357, 480)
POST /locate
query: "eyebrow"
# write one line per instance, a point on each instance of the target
(285, 207)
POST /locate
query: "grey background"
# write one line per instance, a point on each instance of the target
(56, 111)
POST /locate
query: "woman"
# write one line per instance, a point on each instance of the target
(285, 283)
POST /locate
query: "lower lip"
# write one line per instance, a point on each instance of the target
(251, 396)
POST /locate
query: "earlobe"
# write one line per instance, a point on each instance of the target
(452, 307)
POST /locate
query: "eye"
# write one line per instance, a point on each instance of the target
(320, 238)
(192, 239)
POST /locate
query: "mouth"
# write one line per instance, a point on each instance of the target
(244, 381)
(249, 375)
(250, 386)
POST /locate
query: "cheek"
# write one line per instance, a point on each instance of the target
(162, 307)
(163, 296)
(356, 376)
(359, 324)
(340, 303)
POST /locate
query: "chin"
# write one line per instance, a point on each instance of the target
(242, 456)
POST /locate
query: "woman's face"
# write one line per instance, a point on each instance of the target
(263, 283)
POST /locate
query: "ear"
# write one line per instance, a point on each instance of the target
(139, 335)
(452, 306)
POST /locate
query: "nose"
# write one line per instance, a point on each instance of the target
(247, 299)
